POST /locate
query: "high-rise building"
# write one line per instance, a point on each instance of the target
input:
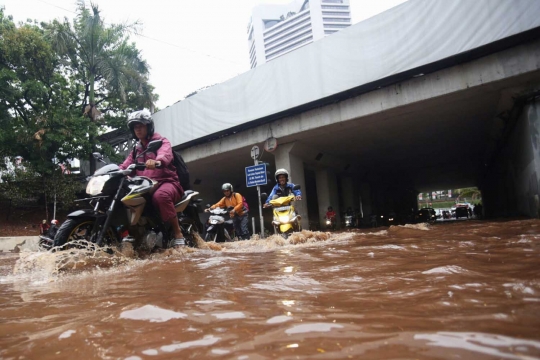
(275, 30)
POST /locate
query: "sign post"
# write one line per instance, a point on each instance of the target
(256, 176)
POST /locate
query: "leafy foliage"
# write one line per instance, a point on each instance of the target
(108, 73)
(61, 85)
(24, 184)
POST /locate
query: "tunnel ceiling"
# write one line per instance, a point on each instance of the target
(440, 143)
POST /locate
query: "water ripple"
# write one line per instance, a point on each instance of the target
(488, 344)
(151, 313)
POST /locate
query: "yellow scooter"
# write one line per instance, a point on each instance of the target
(285, 221)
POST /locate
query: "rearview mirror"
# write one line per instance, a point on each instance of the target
(98, 157)
(264, 196)
(296, 187)
(154, 145)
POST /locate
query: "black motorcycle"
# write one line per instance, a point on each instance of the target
(121, 211)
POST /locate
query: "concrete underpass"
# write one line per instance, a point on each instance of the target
(441, 105)
(468, 125)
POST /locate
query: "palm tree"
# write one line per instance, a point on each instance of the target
(105, 65)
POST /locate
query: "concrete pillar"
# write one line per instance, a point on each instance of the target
(295, 166)
(327, 194)
(365, 199)
(511, 185)
(348, 193)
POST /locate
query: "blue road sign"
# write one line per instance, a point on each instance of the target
(256, 175)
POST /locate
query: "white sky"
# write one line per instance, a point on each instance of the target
(188, 44)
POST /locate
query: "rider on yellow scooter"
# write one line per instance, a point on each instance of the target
(282, 188)
(285, 220)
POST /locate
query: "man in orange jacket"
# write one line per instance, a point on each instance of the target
(239, 213)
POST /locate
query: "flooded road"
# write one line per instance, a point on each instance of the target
(463, 290)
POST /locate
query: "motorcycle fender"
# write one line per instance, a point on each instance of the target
(84, 213)
(285, 227)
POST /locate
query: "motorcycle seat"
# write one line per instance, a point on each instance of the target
(180, 206)
(184, 197)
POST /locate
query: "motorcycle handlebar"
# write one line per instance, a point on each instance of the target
(142, 166)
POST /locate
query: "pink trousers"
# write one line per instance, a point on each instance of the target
(164, 199)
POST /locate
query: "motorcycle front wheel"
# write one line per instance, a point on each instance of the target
(189, 229)
(75, 230)
(210, 237)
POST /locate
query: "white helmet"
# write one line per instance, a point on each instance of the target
(143, 117)
(227, 186)
(281, 172)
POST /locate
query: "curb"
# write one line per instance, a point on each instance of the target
(19, 243)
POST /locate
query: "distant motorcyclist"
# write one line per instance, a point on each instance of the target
(331, 214)
(282, 188)
(170, 191)
(239, 213)
(53, 229)
(43, 228)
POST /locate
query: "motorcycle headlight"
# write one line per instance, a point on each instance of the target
(95, 185)
(284, 219)
(213, 221)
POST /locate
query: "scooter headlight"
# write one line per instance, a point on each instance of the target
(327, 222)
(283, 219)
(95, 185)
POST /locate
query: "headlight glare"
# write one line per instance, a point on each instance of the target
(95, 185)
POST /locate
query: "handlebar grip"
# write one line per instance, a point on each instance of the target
(142, 166)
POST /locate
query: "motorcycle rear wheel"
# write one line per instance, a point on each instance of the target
(73, 230)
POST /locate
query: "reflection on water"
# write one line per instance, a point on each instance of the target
(466, 290)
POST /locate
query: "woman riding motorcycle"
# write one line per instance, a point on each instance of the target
(170, 191)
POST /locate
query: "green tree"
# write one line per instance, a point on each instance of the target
(35, 117)
(109, 72)
(24, 184)
(109, 75)
(49, 76)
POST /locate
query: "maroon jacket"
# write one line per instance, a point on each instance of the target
(167, 173)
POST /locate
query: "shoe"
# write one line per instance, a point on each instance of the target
(179, 242)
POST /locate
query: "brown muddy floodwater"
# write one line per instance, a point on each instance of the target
(459, 290)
